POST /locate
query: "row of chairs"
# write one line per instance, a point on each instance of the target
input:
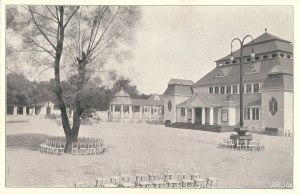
(145, 177)
(89, 148)
(53, 147)
(249, 145)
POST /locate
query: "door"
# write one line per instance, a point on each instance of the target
(198, 115)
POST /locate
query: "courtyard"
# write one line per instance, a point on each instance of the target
(133, 144)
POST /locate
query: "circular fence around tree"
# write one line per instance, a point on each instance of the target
(84, 146)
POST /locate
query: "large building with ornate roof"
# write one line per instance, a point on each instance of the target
(214, 99)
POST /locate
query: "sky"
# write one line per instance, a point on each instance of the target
(183, 42)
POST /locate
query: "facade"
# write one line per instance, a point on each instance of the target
(214, 99)
(124, 108)
(41, 108)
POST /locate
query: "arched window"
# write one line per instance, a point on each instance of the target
(274, 55)
(273, 106)
(281, 55)
(169, 106)
(248, 59)
(265, 57)
(257, 58)
(288, 56)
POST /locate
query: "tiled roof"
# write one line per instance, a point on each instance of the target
(263, 44)
(122, 93)
(119, 100)
(275, 81)
(179, 90)
(214, 100)
(184, 82)
(234, 75)
(147, 102)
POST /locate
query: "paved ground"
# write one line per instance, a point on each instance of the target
(153, 145)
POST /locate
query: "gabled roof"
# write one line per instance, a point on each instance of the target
(154, 95)
(122, 93)
(263, 44)
(234, 75)
(178, 90)
(183, 82)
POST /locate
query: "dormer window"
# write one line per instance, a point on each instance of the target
(265, 57)
(234, 61)
(156, 98)
(257, 58)
(227, 62)
(288, 56)
(248, 59)
(220, 74)
(274, 55)
(281, 55)
(251, 70)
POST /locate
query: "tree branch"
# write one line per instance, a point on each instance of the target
(71, 16)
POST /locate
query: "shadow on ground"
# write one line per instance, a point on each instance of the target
(27, 141)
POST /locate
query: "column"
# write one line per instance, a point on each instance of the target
(219, 116)
(150, 111)
(186, 115)
(113, 108)
(121, 111)
(130, 111)
(33, 110)
(24, 110)
(141, 112)
(15, 110)
(193, 115)
(211, 116)
(203, 116)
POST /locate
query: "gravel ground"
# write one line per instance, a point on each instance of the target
(151, 145)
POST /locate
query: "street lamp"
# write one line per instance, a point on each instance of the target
(241, 75)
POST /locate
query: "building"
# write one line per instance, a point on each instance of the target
(214, 99)
(124, 108)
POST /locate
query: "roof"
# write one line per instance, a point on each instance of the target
(178, 90)
(147, 102)
(154, 95)
(121, 100)
(276, 81)
(233, 76)
(263, 44)
(184, 82)
(215, 100)
(122, 93)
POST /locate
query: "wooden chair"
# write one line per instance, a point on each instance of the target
(182, 177)
(212, 181)
(156, 178)
(75, 148)
(83, 148)
(78, 174)
(197, 178)
(141, 177)
(169, 176)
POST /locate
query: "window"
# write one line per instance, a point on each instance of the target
(234, 61)
(248, 59)
(273, 106)
(274, 55)
(247, 113)
(257, 58)
(224, 116)
(222, 88)
(251, 70)
(117, 108)
(234, 89)
(265, 57)
(169, 106)
(211, 90)
(255, 87)
(255, 113)
(288, 56)
(281, 55)
(217, 90)
(227, 62)
(183, 112)
(248, 88)
(228, 89)
(220, 74)
(125, 109)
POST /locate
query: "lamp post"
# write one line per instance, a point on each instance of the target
(241, 124)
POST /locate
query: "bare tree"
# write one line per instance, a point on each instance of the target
(87, 35)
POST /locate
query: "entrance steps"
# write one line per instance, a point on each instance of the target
(211, 128)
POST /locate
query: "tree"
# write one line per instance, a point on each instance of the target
(87, 36)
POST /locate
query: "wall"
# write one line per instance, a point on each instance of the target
(175, 100)
(179, 118)
(268, 120)
(288, 111)
(251, 124)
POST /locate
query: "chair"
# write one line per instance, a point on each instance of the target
(82, 148)
(127, 178)
(238, 144)
(156, 178)
(212, 181)
(182, 177)
(169, 176)
(75, 148)
(91, 148)
(196, 177)
(78, 174)
(142, 177)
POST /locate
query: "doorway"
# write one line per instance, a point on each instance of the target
(198, 115)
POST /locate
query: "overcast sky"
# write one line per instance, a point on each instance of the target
(184, 41)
